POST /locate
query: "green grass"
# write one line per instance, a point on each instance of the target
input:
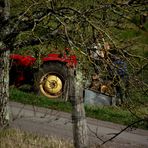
(41, 101)
(107, 113)
(112, 114)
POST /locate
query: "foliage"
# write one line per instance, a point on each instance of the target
(120, 27)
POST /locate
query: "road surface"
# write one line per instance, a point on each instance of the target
(54, 123)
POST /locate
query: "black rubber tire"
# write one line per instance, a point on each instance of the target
(57, 68)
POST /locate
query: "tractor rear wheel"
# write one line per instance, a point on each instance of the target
(51, 80)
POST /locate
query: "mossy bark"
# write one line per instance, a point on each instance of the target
(80, 134)
(4, 63)
(4, 88)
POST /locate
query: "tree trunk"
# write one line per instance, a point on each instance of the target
(4, 64)
(78, 111)
(4, 88)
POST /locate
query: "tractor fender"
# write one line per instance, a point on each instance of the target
(25, 61)
(68, 60)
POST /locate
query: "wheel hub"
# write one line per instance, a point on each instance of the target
(51, 85)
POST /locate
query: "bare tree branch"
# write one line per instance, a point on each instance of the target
(124, 129)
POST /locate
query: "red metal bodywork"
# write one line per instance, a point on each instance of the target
(69, 60)
(20, 60)
(28, 61)
(22, 66)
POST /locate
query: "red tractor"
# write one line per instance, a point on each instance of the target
(50, 78)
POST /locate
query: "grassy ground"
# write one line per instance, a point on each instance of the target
(114, 114)
(11, 138)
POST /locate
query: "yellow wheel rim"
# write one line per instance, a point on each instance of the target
(51, 86)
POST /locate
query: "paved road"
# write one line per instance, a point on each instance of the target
(54, 123)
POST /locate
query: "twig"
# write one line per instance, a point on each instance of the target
(95, 133)
(124, 129)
